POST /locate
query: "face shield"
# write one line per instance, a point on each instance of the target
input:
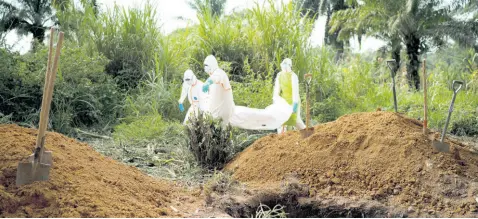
(286, 65)
(210, 64)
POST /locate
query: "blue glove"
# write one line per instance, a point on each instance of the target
(205, 87)
(181, 107)
(294, 107)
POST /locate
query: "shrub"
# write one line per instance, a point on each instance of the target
(83, 96)
(129, 38)
(209, 141)
(466, 126)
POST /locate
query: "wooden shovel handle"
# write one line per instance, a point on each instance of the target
(48, 90)
(425, 104)
(308, 78)
(42, 122)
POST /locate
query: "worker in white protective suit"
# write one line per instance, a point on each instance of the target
(192, 89)
(221, 102)
(287, 86)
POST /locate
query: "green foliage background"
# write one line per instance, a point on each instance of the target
(120, 75)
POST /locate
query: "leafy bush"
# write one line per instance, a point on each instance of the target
(83, 96)
(209, 141)
(466, 126)
(129, 38)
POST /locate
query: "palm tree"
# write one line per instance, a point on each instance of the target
(421, 25)
(3, 14)
(468, 8)
(417, 24)
(314, 8)
(216, 6)
(31, 16)
(369, 19)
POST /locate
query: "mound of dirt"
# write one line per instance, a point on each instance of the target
(380, 156)
(83, 183)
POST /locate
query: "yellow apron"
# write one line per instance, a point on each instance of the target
(285, 82)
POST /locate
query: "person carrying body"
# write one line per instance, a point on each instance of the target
(287, 86)
(192, 89)
(221, 102)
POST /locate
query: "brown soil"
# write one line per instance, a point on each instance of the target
(379, 156)
(82, 182)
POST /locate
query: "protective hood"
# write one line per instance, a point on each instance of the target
(286, 65)
(210, 64)
(189, 77)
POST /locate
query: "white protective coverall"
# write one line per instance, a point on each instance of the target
(287, 86)
(192, 89)
(221, 102)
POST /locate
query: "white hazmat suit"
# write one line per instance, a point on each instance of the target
(287, 86)
(192, 89)
(221, 102)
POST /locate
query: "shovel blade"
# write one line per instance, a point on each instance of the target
(29, 171)
(441, 146)
(46, 158)
(307, 132)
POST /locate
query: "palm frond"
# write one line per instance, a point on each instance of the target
(323, 6)
(8, 6)
(413, 6)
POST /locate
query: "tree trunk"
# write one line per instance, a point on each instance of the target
(413, 44)
(38, 36)
(38, 32)
(396, 48)
(327, 27)
(331, 38)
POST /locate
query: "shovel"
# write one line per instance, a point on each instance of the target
(308, 131)
(393, 73)
(37, 166)
(440, 145)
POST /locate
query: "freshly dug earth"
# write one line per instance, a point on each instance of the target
(380, 156)
(82, 182)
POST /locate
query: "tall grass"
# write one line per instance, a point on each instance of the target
(251, 44)
(360, 89)
(277, 32)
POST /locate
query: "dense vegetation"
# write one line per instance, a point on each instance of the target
(120, 75)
